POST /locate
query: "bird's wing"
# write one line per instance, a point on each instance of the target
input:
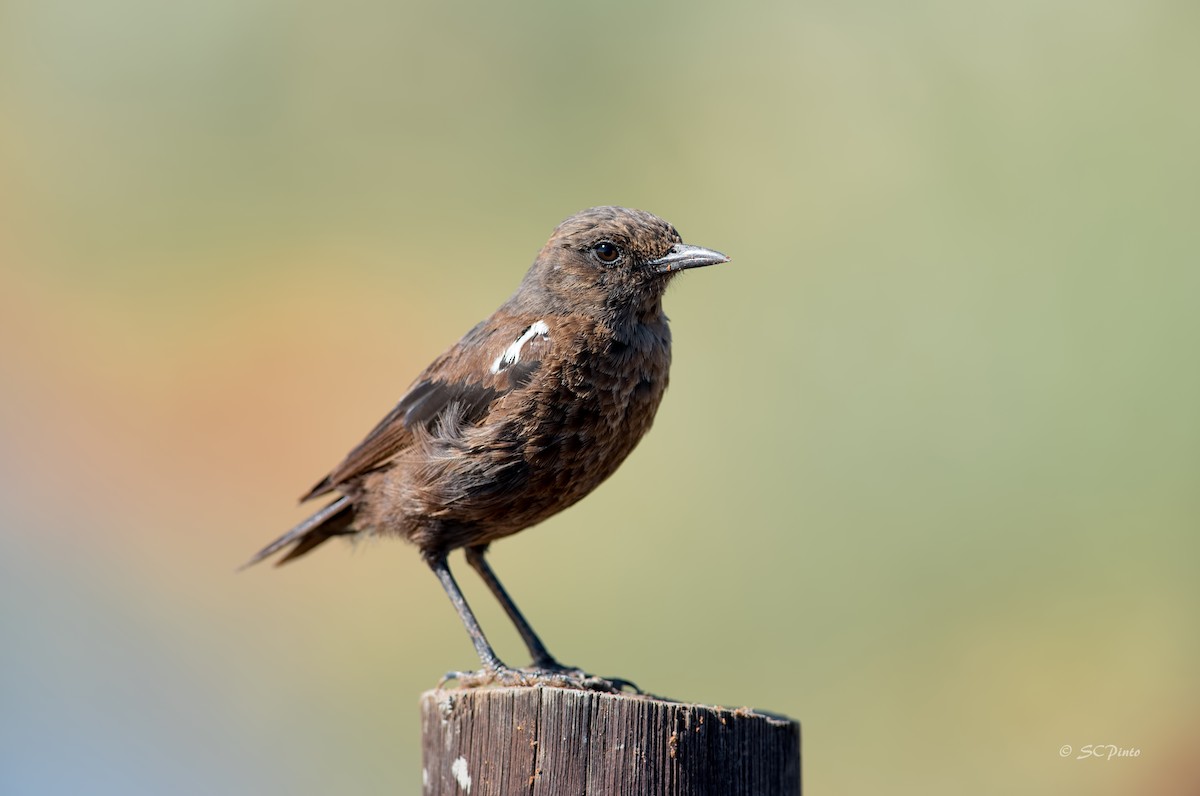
(496, 357)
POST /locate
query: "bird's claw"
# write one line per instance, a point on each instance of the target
(556, 676)
(591, 682)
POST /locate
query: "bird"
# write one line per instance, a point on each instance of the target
(524, 416)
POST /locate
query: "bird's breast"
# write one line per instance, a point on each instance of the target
(584, 412)
(542, 446)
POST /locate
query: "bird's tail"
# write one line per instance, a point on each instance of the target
(333, 520)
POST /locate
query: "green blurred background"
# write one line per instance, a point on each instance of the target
(926, 478)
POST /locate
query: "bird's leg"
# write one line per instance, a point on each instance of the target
(542, 659)
(437, 562)
(545, 667)
(494, 672)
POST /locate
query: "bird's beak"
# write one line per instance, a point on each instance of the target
(683, 256)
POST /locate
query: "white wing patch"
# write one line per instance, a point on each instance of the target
(512, 354)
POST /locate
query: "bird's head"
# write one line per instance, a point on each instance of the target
(609, 260)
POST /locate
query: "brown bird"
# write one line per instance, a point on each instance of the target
(525, 415)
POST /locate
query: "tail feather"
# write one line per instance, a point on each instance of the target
(333, 520)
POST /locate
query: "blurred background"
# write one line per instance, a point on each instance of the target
(926, 477)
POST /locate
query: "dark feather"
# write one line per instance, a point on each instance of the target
(476, 389)
(333, 520)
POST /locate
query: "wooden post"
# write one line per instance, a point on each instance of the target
(543, 740)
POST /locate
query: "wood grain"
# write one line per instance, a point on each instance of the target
(559, 741)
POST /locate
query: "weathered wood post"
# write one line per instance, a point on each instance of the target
(543, 740)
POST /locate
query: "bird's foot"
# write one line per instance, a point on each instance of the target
(549, 667)
(555, 675)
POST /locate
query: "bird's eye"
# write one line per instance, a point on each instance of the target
(606, 252)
